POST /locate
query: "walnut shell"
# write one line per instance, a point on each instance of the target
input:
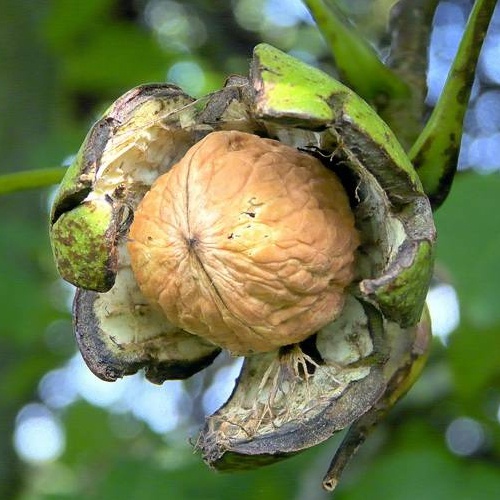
(246, 242)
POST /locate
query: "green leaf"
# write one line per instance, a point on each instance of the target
(89, 438)
(118, 56)
(100, 53)
(355, 58)
(26, 298)
(435, 152)
(475, 361)
(419, 467)
(468, 242)
(68, 22)
(148, 467)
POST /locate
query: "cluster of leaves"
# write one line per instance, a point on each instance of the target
(61, 66)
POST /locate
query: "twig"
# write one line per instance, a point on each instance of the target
(30, 179)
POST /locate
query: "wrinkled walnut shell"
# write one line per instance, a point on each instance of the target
(246, 242)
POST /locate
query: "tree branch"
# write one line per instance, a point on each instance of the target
(410, 28)
(30, 179)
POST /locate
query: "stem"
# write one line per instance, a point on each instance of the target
(30, 179)
(435, 152)
(410, 29)
(354, 57)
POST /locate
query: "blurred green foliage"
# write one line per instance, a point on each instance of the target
(61, 63)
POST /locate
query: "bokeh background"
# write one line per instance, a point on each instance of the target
(63, 433)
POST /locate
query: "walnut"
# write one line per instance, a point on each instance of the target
(246, 242)
(255, 259)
